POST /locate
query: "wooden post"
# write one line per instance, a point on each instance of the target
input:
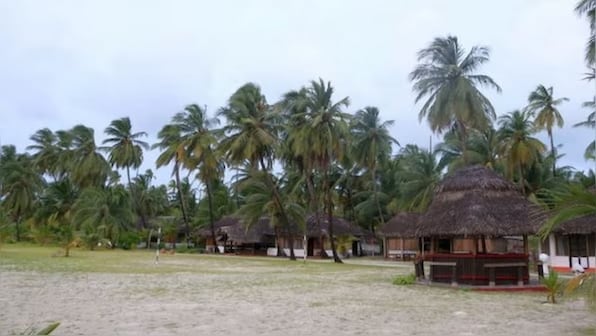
(385, 248)
(526, 245)
(475, 245)
(401, 246)
(520, 278)
(432, 245)
(491, 277)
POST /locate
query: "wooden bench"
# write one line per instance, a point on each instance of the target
(491, 271)
(451, 264)
(401, 254)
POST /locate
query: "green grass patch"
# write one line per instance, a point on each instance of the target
(404, 280)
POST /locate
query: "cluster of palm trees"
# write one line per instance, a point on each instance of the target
(304, 154)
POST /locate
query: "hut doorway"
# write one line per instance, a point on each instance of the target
(310, 247)
(578, 250)
(355, 248)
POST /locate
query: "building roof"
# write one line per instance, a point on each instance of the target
(402, 225)
(477, 201)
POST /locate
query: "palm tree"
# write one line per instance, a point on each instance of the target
(520, 149)
(172, 146)
(106, 210)
(447, 78)
(588, 8)
(252, 134)
(418, 174)
(590, 122)
(56, 210)
(125, 149)
(199, 143)
(371, 144)
(45, 156)
(322, 137)
(543, 105)
(20, 184)
(87, 166)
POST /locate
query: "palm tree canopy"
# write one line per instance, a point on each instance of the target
(543, 105)
(371, 138)
(518, 145)
(126, 150)
(447, 78)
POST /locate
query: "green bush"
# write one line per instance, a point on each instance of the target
(128, 240)
(403, 280)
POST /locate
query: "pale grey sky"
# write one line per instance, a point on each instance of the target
(69, 62)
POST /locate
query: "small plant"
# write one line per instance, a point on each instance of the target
(45, 331)
(404, 280)
(553, 286)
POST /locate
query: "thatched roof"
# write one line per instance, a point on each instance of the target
(402, 225)
(237, 230)
(477, 201)
(580, 225)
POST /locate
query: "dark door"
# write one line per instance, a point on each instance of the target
(310, 249)
(355, 248)
(578, 250)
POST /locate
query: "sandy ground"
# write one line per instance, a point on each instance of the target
(256, 297)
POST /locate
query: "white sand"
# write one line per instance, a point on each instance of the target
(255, 298)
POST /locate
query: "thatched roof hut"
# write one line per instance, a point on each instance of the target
(580, 225)
(476, 201)
(403, 225)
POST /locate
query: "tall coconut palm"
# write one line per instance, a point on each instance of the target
(322, 138)
(125, 150)
(88, 167)
(371, 143)
(251, 135)
(588, 8)
(199, 142)
(543, 106)
(172, 146)
(446, 77)
(45, 149)
(590, 122)
(519, 147)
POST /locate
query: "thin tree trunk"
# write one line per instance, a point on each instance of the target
(135, 201)
(182, 203)
(552, 150)
(330, 217)
(521, 179)
(277, 199)
(374, 181)
(314, 207)
(211, 218)
(463, 136)
(17, 223)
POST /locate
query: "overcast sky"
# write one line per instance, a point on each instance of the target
(68, 62)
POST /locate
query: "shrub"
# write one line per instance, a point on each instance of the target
(403, 280)
(128, 240)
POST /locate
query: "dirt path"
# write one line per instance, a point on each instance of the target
(266, 299)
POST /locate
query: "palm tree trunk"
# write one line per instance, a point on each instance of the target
(135, 201)
(314, 207)
(552, 150)
(374, 181)
(330, 217)
(17, 226)
(211, 218)
(463, 136)
(181, 199)
(277, 198)
(521, 179)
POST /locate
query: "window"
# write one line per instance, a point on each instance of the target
(562, 243)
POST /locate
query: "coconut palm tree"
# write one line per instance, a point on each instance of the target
(172, 146)
(56, 210)
(199, 142)
(107, 210)
(446, 77)
(588, 8)
(125, 150)
(371, 143)
(418, 173)
(518, 146)
(543, 106)
(20, 183)
(590, 122)
(322, 138)
(45, 149)
(88, 167)
(251, 135)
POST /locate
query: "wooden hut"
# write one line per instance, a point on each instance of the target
(399, 236)
(572, 242)
(234, 236)
(471, 206)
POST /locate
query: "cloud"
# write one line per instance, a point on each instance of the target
(69, 62)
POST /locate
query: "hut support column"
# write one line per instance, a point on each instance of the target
(385, 248)
(483, 238)
(475, 245)
(401, 246)
(526, 245)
